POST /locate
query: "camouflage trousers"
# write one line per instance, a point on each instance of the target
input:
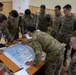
(54, 67)
(4, 70)
(72, 68)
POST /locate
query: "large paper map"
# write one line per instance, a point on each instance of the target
(19, 54)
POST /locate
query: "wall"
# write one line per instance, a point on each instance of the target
(5, 0)
(35, 4)
(50, 4)
(20, 5)
(34, 9)
(7, 7)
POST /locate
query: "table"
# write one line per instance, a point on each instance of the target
(12, 66)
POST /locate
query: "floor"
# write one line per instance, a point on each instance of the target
(64, 69)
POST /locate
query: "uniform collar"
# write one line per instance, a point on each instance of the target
(70, 16)
(58, 15)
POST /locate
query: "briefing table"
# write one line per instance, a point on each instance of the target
(13, 67)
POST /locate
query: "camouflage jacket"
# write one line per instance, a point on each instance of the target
(44, 42)
(43, 20)
(13, 26)
(67, 26)
(72, 66)
(5, 32)
(55, 25)
(27, 21)
(56, 22)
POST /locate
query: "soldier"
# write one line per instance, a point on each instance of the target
(4, 70)
(67, 26)
(1, 7)
(43, 19)
(3, 29)
(26, 20)
(72, 66)
(54, 51)
(56, 21)
(13, 24)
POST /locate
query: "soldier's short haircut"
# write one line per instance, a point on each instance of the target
(43, 6)
(27, 11)
(73, 34)
(58, 6)
(14, 13)
(1, 4)
(31, 28)
(68, 6)
(2, 18)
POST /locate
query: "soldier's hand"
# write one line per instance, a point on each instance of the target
(1, 51)
(11, 38)
(23, 36)
(49, 29)
(29, 63)
(15, 42)
(43, 56)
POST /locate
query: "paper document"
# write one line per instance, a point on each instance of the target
(27, 36)
(21, 72)
(19, 54)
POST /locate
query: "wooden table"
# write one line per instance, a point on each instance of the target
(12, 66)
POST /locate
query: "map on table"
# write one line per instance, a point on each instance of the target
(19, 54)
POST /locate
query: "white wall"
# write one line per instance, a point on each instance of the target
(24, 4)
(20, 5)
(5, 0)
(52, 3)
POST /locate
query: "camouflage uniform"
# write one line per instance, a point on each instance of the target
(72, 66)
(27, 21)
(4, 31)
(13, 27)
(67, 26)
(4, 70)
(53, 49)
(43, 21)
(55, 25)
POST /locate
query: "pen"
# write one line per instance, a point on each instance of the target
(19, 69)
